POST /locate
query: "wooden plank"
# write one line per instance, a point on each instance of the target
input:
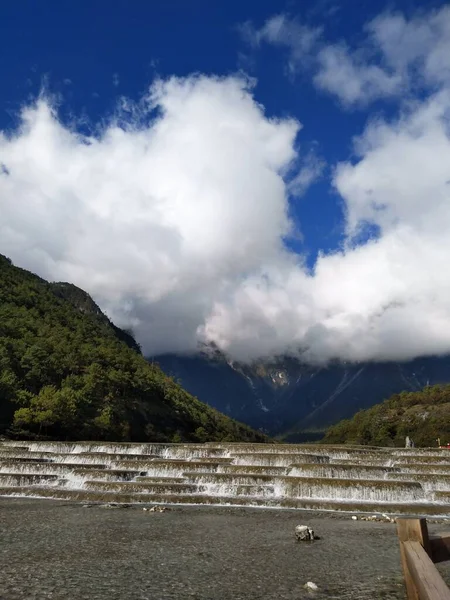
(415, 530)
(440, 547)
(426, 578)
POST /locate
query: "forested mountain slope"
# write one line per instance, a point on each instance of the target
(424, 416)
(67, 372)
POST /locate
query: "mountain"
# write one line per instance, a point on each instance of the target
(67, 372)
(424, 416)
(296, 401)
(84, 303)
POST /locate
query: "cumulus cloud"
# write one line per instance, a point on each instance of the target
(388, 298)
(173, 216)
(286, 32)
(166, 209)
(351, 78)
(397, 55)
(417, 49)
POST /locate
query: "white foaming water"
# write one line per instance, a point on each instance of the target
(415, 452)
(73, 481)
(430, 482)
(252, 474)
(428, 469)
(383, 460)
(253, 469)
(230, 479)
(197, 451)
(164, 471)
(423, 460)
(228, 490)
(162, 450)
(36, 468)
(339, 471)
(271, 459)
(367, 490)
(23, 479)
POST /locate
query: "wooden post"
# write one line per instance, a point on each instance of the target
(411, 530)
(427, 579)
(419, 553)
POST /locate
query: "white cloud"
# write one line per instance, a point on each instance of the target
(156, 221)
(173, 218)
(280, 30)
(419, 46)
(311, 170)
(352, 79)
(386, 299)
(396, 56)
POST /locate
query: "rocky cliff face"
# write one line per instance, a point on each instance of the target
(285, 396)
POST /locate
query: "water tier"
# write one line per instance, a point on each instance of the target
(415, 481)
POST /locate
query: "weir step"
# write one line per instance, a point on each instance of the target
(342, 471)
(305, 504)
(311, 476)
(433, 482)
(15, 479)
(170, 466)
(426, 469)
(137, 487)
(106, 474)
(276, 459)
(254, 469)
(425, 460)
(36, 467)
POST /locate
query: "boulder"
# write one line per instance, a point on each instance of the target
(303, 533)
(310, 585)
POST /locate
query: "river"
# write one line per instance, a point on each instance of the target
(67, 551)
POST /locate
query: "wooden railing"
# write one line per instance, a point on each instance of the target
(419, 552)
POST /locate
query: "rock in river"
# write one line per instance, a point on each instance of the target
(303, 533)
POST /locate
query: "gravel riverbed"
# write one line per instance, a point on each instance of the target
(65, 551)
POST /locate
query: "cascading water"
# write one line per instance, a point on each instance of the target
(341, 471)
(298, 476)
(430, 483)
(15, 479)
(271, 459)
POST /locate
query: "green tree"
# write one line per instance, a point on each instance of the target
(67, 372)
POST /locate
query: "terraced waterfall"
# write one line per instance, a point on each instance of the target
(292, 476)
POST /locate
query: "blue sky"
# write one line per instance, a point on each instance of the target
(342, 69)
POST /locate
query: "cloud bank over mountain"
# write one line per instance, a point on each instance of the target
(174, 213)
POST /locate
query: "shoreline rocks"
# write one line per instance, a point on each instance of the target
(157, 509)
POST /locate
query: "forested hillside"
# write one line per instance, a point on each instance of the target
(67, 372)
(424, 416)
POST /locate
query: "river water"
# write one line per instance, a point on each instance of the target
(67, 551)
